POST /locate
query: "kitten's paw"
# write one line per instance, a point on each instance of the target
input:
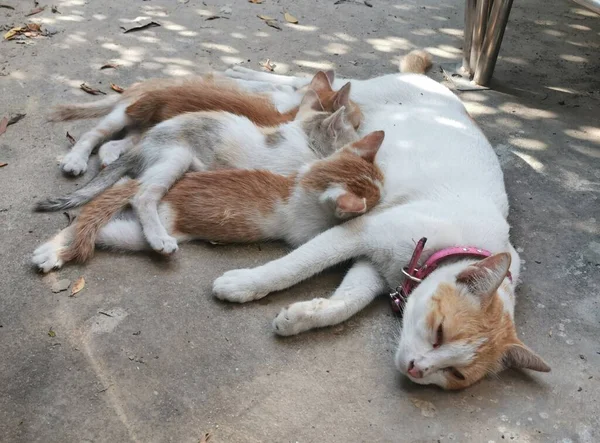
(47, 257)
(109, 152)
(165, 245)
(300, 317)
(239, 285)
(237, 71)
(74, 164)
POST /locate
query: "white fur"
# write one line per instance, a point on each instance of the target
(442, 181)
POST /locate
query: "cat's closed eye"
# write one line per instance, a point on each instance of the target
(439, 336)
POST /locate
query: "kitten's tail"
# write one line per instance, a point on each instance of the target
(96, 215)
(76, 111)
(417, 61)
(105, 179)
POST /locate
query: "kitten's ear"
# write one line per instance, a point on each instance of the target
(484, 277)
(368, 146)
(349, 204)
(330, 73)
(336, 122)
(519, 356)
(310, 102)
(342, 97)
(320, 83)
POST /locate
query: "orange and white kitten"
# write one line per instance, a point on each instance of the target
(228, 206)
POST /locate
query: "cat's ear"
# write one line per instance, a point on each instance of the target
(517, 355)
(342, 97)
(368, 146)
(484, 277)
(330, 73)
(310, 102)
(336, 122)
(320, 83)
(349, 204)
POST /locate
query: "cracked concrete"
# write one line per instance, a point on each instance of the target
(164, 361)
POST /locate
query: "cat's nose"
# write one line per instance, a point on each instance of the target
(413, 371)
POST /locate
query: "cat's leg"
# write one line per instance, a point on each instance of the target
(242, 73)
(47, 256)
(112, 150)
(124, 234)
(327, 249)
(360, 286)
(154, 184)
(75, 162)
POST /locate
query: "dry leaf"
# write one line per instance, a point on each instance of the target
(77, 286)
(256, 2)
(51, 333)
(35, 27)
(290, 18)
(205, 438)
(2, 164)
(55, 10)
(268, 65)
(214, 17)
(92, 91)
(139, 25)
(273, 24)
(265, 17)
(116, 88)
(3, 125)
(427, 408)
(61, 285)
(15, 118)
(7, 7)
(14, 31)
(71, 138)
(109, 66)
(35, 11)
(70, 218)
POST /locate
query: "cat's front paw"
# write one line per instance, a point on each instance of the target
(299, 317)
(74, 164)
(109, 152)
(237, 71)
(166, 245)
(239, 285)
(47, 257)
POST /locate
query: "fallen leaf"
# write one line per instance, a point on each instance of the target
(7, 7)
(14, 31)
(290, 18)
(427, 408)
(15, 118)
(35, 11)
(139, 25)
(273, 24)
(3, 125)
(3, 164)
(71, 139)
(214, 17)
(109, 66)
(268, 65)
(70, 218)
(92, 91)
(55, 10)
(205, 438)
(51, 333)
(35, 27)
(256, 2)
(61, 285)
(116, 88)
(77, 286)
(265, 17)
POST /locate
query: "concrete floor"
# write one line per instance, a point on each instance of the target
(169, 363)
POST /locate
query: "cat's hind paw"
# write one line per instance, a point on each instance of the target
(239, 286)
(47, 257)
(237, 71)
(166, 245)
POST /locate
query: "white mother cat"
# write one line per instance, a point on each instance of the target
(443, 182)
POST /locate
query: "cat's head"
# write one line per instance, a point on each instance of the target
(347, 182)
(456, 329)
(334, 100)
(326, 132)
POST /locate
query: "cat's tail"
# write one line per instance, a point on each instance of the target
(105, 179)
(94, 217)
(417, 61)
(76, 111)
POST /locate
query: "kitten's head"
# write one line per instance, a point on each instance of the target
(326, 132)
(456, 332)
(348, 182)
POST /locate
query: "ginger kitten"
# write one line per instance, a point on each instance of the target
(232, 206)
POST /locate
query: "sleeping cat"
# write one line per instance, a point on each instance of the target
(209, 140)
(232, 206)
(150, 102)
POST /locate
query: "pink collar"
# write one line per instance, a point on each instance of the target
(414, 274)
